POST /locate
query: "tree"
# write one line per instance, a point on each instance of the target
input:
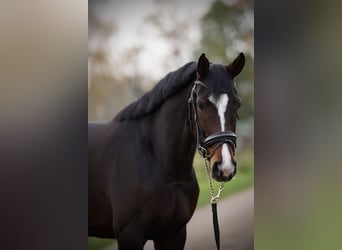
(107, 89)
(174, 29)
(228, 29)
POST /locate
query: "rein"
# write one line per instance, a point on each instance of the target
(203, 143)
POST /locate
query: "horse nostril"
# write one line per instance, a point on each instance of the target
(216, 169)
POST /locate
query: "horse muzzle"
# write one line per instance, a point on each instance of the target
(216, 149)
(223, 173)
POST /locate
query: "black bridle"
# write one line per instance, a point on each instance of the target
(215, 139)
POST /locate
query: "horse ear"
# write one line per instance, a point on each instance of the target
(236, 66)
(202, 66)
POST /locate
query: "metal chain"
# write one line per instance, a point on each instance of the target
(214, 198)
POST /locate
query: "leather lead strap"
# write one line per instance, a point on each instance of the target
(216, 225)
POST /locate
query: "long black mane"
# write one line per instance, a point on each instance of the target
(165, 88)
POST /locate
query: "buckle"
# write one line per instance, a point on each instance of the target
(203, 152)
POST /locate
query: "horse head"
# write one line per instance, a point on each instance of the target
(215, 103)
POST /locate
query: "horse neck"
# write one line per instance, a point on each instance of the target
(176, 142)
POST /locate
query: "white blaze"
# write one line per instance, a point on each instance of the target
(221, 104)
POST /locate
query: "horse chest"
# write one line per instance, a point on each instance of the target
(175, 206)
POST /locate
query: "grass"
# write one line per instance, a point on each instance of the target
(97, 243)
(243, 179)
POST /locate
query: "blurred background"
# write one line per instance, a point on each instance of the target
(133, 44)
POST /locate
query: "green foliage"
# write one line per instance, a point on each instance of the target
(218, 26)
(226, 31)
(221, 27)
(97, 243)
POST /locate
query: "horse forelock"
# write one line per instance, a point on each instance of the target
(218, 80)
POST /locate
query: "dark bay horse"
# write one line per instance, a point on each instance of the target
(142, 185)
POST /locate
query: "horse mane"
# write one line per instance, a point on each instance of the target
(165, 88)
